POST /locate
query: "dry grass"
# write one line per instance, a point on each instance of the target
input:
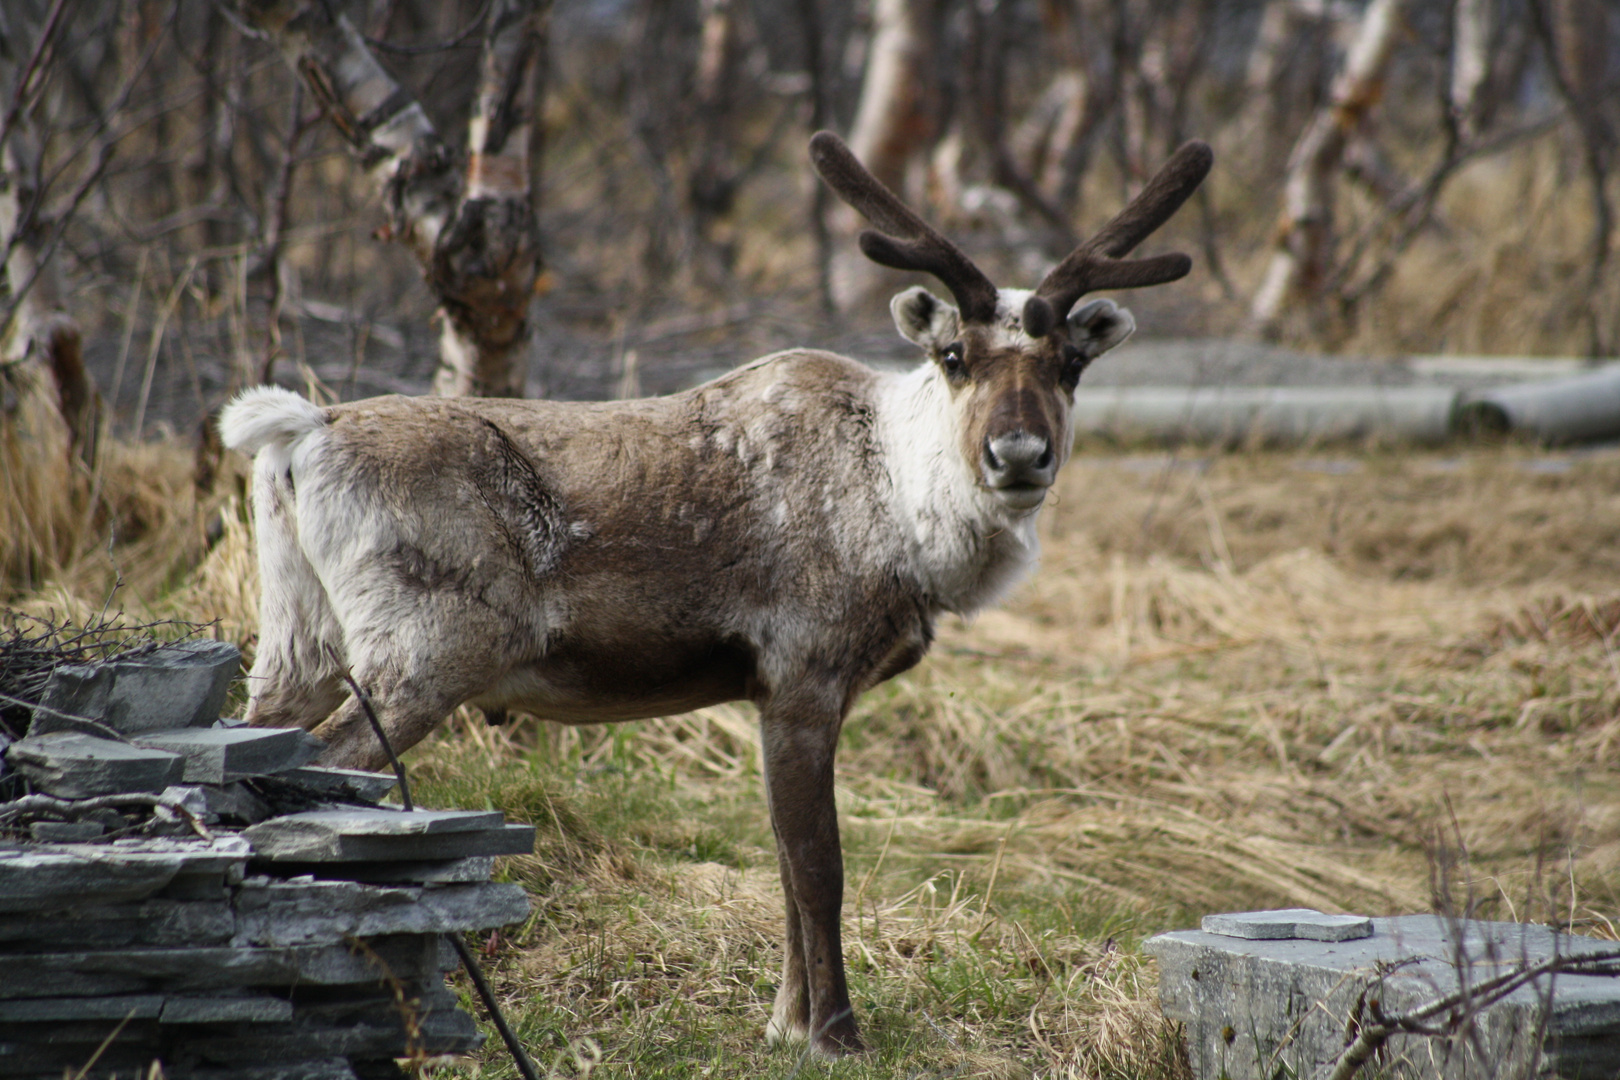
(1237, 681)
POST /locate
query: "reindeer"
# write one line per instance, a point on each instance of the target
(787, 534)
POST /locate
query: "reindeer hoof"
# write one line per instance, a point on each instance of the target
(837, 1041)
(834, 1049)
(784, 1033)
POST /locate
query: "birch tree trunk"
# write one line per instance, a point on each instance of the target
(893, 122)
(40, 343)
(1473, 24)
(1304, 239)
(472, 230)
(1576, 34)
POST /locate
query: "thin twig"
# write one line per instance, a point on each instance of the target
(376, 727)
(1476, 998)
(19, 93)
(487, 995)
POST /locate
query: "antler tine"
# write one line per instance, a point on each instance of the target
(905, 241)
(1098, 263)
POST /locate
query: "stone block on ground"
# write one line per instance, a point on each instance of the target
(387, 835)
(224, 755)
(74, 766)
(1262, 1007)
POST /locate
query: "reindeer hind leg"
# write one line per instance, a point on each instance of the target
(294, 681)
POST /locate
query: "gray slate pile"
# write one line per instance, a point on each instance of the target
(197, 893)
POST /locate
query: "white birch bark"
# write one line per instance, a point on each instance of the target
(1305, 231)
(1472, 24)
(892, 123)
(42, 349)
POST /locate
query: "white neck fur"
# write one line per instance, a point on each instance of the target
(963, 545)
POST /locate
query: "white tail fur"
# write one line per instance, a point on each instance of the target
(268, 414)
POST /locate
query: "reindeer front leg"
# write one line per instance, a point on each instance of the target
(799, 731)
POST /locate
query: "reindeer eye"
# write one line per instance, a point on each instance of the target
(951, 360)
(1074, 362)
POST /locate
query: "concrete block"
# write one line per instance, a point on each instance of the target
(1257, 1008)
(387, 835)
(348, 783)
(74, 766)
(1298, 923)
(225, 755)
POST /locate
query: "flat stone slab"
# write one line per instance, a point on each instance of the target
(170, 1009)
(66, 832)
(108, 1007)
(387, 835)
(331, 1068)
(1289, 923)
(271, 912)
(405, 872)
(1256, 1008)
(180, 685)
(352, 783)
(216, 755)
(144, 970)
(74, 766)
(232, 803)
(157, 921)
(225, 1008)
(51, 878)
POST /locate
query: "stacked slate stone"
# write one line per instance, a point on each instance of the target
(180, 889)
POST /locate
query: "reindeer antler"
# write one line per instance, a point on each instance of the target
(906, 241)
(1098, 263)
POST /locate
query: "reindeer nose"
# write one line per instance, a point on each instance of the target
(1019, 466)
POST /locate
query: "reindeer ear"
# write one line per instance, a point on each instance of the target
(925, 319)
(1099, 326)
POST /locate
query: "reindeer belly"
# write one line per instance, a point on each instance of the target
(580, 684)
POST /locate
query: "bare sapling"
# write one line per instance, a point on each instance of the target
(788, 534)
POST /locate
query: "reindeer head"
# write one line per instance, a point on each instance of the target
(1009, 357)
